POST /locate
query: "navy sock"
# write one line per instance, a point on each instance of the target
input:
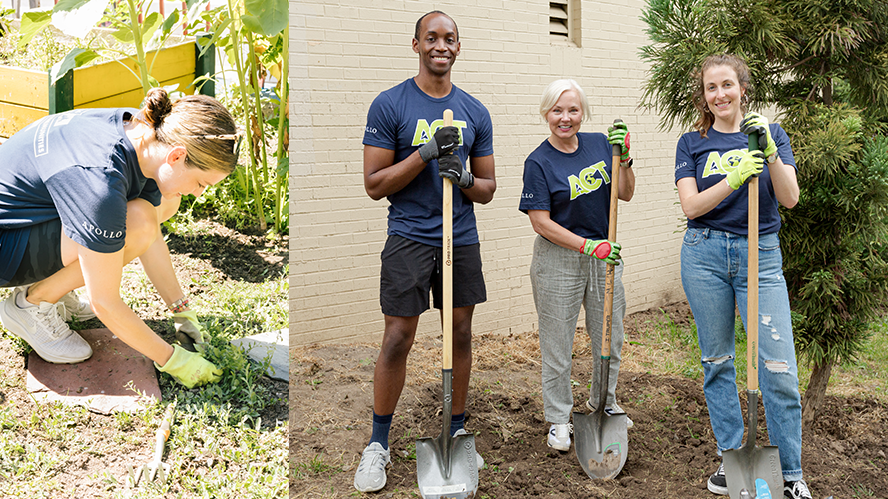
(457, 422)
(381, 427)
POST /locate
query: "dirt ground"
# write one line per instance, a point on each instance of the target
(214, 255)
(671, 447)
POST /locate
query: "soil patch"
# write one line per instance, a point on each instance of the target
(671, 447)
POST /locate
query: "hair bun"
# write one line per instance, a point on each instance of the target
(157, 106)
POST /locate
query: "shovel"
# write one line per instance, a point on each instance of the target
(445, 466)
(155, 468)
(601, 439)
(752, 467)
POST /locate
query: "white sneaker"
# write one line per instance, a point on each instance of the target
(479, 461)
(43, 328)
(370, 475)
(611, 410)
(77, 307)
(559, 436)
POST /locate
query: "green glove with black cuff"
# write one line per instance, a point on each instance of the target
(445, 140)
(752, 163)
(190, 368)
(603, 250)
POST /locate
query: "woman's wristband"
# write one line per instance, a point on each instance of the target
(180, 305)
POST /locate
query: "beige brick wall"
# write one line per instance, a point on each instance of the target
(344, 52)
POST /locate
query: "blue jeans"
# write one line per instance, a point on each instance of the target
(562, 280)
(714, 274)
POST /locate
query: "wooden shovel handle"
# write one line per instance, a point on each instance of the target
(447, 263)
(752, 283)
(616, 152)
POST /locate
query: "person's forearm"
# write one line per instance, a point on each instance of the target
(786, 186)
(391, 179)
(482, 191)
(158, 267)
(627, 184)
(557, 234)
(127, 326)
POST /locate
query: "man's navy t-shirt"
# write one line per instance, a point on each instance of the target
(78, 166)
(403, 118)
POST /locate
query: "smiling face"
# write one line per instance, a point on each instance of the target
(438, 44)
(722, 92)
(565, 117)
(175, 179)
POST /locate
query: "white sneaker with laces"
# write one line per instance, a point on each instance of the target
(370, 475)
(478, 459)
(796, 490)
(611, 410)
(43, 328)
(559, 436)
(77, 307)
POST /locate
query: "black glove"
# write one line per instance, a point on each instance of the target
(451, 167)
(445, 140)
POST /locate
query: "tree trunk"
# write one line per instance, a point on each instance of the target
(815, 393)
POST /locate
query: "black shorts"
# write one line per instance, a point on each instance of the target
(410, 269)
(43, 254)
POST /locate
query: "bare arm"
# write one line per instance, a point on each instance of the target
(102, 273)
(627, 184)
(485, 180)
(156, 259)
(382, 176)
(786, 185)
(695, 203)
(553, 231)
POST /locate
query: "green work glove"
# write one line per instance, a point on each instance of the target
(445, 140)
(751, 164)
(186, 323)
(603, 250)
(190, 368)
(754, 122)
(618, 135)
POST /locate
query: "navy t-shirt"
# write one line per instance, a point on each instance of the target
(78, 166)
(710, 160)
(403, 118)
(574, 188)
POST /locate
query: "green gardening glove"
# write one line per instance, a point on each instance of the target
(751, 164)
(603, 250)
(618, 135)
(186, 323)
(190, 368)
(754, 122)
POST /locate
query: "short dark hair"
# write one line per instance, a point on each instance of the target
(419, 23)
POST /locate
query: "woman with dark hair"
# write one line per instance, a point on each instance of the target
(712, 165)
(82, 193)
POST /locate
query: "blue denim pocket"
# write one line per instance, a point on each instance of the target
(692, 237)
(769, 242)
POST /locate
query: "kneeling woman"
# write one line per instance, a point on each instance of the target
(83, 193)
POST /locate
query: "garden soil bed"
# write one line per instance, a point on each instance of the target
(671, 447)
(216, 251)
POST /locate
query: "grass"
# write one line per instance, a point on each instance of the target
(673, 348)
(219, 446)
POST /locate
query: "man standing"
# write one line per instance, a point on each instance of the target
(406, 151)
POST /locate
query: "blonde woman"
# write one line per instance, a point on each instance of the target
(567, 197)
(82, 193)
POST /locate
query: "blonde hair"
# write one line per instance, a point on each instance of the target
(553, 93)
(706, 119)
(196, 122)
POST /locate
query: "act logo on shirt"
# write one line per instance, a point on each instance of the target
(586, 182)
(424, 132)
(722, 164)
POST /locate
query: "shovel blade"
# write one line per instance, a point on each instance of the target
(601, 443)
(746, 466)
(444, 473)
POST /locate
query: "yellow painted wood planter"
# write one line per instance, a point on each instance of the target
(27, 95)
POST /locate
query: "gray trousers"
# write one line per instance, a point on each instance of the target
(563, 280)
